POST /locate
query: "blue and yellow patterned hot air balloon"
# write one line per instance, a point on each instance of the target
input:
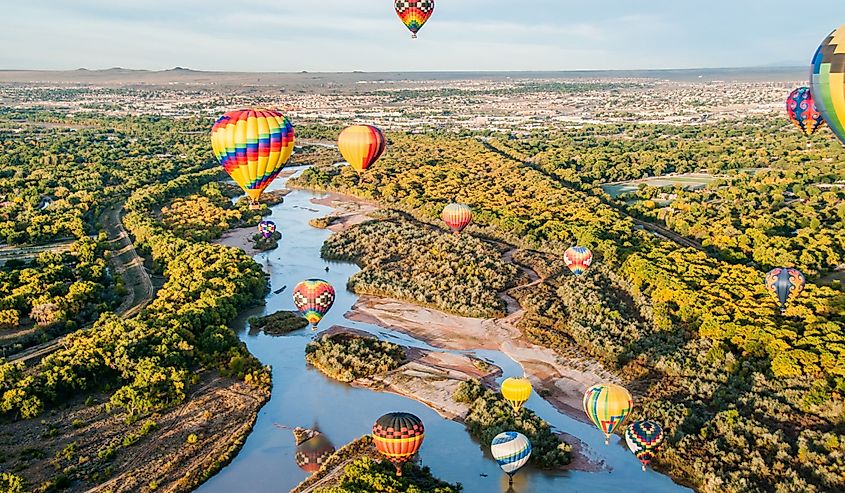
(644, 438)
(827, 81)
(607, 405)
(511, 451)
(785, 284)
(253, 146)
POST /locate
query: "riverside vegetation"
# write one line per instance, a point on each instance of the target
(346, 357)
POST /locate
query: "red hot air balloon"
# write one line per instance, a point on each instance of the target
(457, 217)
(398, 436)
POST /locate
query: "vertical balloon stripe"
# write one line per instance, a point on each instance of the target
(457, 216)
(361, 146)
(607, 406)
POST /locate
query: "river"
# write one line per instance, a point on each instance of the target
(302, 396)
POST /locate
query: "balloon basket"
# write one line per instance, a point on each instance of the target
(254, 206)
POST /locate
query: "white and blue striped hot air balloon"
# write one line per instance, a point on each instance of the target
(511, 450)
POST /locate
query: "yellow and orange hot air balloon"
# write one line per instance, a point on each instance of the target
(361, 146)
(253, 146)
(607, 405)
(516, 391)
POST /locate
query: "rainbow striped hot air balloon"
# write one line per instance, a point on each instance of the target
(511, 451)
(644, 438)
(361, 146)
(313, 298)
(785, 284)
(607, 405)
(457, 217)
(253, 146)
(516, 391)
(827, 81)
(578, 259)
(801, 110)
(398, 436)
(414, 13)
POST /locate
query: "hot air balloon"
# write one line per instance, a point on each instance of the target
(361, 146)
(398, 436)
(644, 438)
(802, 111)
(313, 449)
(511, 450)
(578, 259)
(785, 284)
(516, 391)
(414, 13)
(457, 217)
(313, 298)
(267, 228)
(253, 146)
(827, 81)
(607, 405)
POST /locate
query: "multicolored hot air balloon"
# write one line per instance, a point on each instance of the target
(785, 284)
(313, 298)
(607, 405)
(644, 438)
(512, 451)
(516, 391)
(313, 449)
(802, 111)
(827, 81)
(578, 259)
(414, 13)
(253, 146)
(457, 217)
(398, 436)
(361, 146)
(267, 228)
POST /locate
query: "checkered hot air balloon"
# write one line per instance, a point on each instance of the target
(267, 228)
(827, 81)
(313, 452)
(398, 437)
(644, 438)
(253, 146)
(607, 405)
(457, 217)
(511, 451)
(802, 111)
(361, 146)
(414, 13)
(578, 259)
(516, 391)
(313, 298)
(785, 284)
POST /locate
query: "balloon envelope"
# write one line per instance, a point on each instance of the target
(607, 405)
(361, 146)
(414, 13)
(511, 450)
(827, 81)
(802, 111)
(267, 228)
(516, 391)
(644, 438)
(785, 284)
(313, 453)
(457, 216)
(398, 436)
(578, 259)
(253, 146)
(313, 298)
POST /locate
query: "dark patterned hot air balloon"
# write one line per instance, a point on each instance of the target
(644, 438)
(578, 259)
(802, 111)
(253, 146)
(511, 451)
(267, 228)
(313, 298)
(785, 284)
(414, 13)
(607, 405)
(827, 81)
(398, 436)
(313, 449)
(361, 146)
(457, 217)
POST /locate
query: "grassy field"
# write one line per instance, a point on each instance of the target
(691, 181)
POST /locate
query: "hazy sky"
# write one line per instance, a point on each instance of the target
(345, 35)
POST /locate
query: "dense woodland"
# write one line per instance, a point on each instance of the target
(701, 342)
(346, 357)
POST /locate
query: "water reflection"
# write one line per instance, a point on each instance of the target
(313, 449)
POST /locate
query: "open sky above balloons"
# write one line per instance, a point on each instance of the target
(346, 35)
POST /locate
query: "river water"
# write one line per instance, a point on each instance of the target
(302, 396)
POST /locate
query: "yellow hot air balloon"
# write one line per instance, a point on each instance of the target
(253, 146)
(516, 391)
(361, 146)
(607, 405)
